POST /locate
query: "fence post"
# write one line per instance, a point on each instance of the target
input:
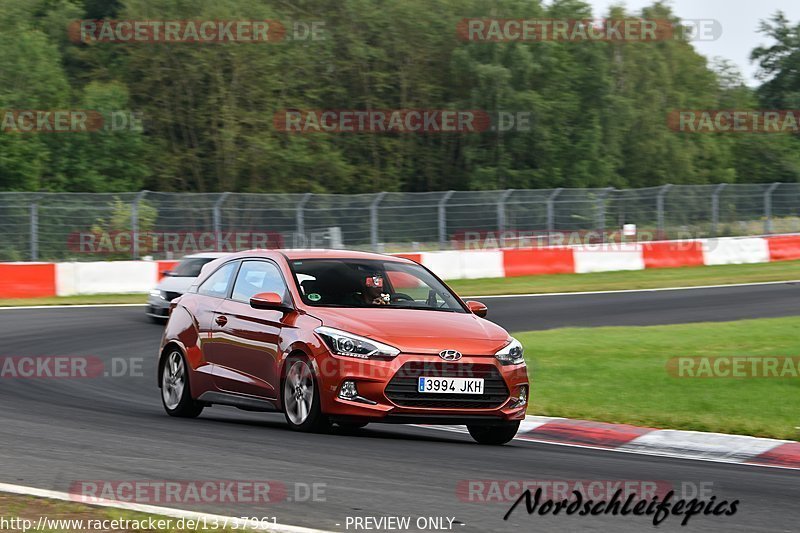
(300, 216)
(34, 229)
(218, 219)
(135, 224)
(601, 212)
(551, 215)
(501, 211)
(660, 210)
(768, 207)
(373, 219)
(443, 219)
(715, 208)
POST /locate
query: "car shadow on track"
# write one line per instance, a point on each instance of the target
(377, 431)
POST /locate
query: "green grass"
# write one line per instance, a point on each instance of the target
(77, 300)
(618, 374)
(31, 508)
(637, 279)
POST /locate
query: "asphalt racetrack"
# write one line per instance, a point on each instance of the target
(644, 308)
(55, 432)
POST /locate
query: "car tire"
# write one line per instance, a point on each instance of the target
(175, 394)
(301, 398)
(493, 435)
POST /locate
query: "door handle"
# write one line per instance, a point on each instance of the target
(221, 320)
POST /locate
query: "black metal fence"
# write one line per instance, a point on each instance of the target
(82, 226)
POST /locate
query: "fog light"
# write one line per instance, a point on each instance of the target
(523, 396)
(348, 391)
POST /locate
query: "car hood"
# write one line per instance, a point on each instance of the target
(175, 284)
(418, 331)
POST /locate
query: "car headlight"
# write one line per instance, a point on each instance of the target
(351, 345)
(511, 354)
(158, 294)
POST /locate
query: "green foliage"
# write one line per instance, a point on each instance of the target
(120, 217)
(119, 220)
(598, 108)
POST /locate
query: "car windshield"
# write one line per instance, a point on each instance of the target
(371, 283)
(190, 268)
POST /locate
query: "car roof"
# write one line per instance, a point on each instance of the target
(206, 255)
(292, 255)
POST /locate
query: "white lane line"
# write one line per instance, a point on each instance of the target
(660, 289)
(68, 306)
(232, 522)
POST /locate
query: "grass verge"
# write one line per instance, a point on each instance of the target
(83, 299)
(23, 513)
(598, 281)
(619, 375)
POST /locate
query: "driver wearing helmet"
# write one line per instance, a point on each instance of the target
(373, 291)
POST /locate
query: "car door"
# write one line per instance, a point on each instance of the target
(247, 340)
(209, 296)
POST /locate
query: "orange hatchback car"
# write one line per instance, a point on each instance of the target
(337, 337)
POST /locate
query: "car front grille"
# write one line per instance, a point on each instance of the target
(402, 389)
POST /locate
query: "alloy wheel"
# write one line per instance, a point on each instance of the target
(173, 380)
(298, 392)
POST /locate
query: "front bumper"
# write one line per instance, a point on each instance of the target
(157, 307)
(387, 390)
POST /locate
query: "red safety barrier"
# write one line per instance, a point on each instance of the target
(672, 254)
(417, 258)
(784, 248)
(401, 280)
(27, 280)
(538, 261)
(164, 266)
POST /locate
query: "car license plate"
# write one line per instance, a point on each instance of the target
(430, 385)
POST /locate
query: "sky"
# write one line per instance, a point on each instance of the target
(739, 20)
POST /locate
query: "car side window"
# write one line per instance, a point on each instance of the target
(258, 276)
(217, 284)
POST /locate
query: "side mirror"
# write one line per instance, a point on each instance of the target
(477, 308)
(268, 300)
